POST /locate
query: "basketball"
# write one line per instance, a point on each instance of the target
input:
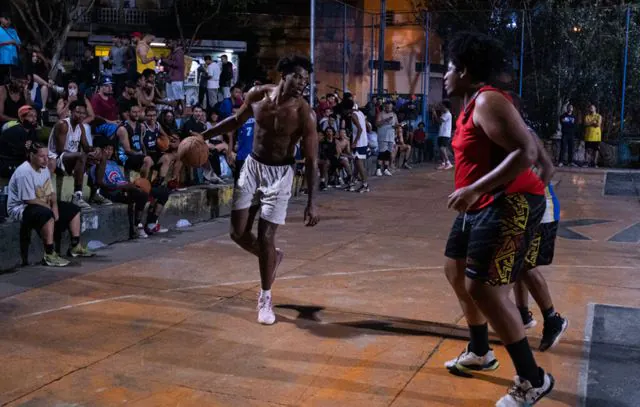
(143, 184)
(193, 151)
(162, 143)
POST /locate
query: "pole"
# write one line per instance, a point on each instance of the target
(312, 48)
(373, 50)
(344, 48)
(521, 54)
(426, 72)
(624, 76)
(383, 27)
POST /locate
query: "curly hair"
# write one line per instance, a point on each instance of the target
(288, 64)
(482, 56)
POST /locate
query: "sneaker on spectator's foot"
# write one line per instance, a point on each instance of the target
(141, 234)
(101, 200)
(406, 166)
(265, 311)
(560, 165)
(378, 172)
(448, 166)
(523, 394)
(529, 321)
(351, 187)
(156, 228)
(363, 188)
(80, 251)
(54, 260)
(469, 361)
(554, 327)
(440, 167)
(79, 201)
(387, 172)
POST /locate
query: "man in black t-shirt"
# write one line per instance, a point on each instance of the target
(127, 99)
(196, 123)
(568, 126)
(15, 141)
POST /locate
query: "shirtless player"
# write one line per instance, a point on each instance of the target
(282, 117)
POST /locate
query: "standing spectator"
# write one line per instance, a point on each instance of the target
(592, 136)
(203, 78)
(229, 103)
(175, 64)
(419, 139)
(15, 141)
(117, 56)
(213, 83)
(103, 102)
(444, 134)
(359, 143)
(145, 56)
(226, 76)
(89, 71)
(32, 201)
(386, 122)
(68, 148)
(568, 128)
(9, 46)
(13, 96)
(130, 57)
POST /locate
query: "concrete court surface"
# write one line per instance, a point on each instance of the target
(365, 314)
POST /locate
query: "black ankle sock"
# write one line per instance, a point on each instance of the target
(524, 312)
(524, 362)
(48, 248)
(479, 343)
(75, 241)
(547, 313)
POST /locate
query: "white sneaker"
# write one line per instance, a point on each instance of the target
(142, 234)
(378, 172)
(265, 311)
(448, 166)
(78, 201)
(469, 361)
(387, 173)
(522, 394)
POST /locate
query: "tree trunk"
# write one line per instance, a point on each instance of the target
(58, 45)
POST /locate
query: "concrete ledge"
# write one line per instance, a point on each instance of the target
(110, 224)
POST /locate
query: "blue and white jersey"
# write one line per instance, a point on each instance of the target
(245, 139)
(552, 212)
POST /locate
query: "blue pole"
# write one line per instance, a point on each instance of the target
(521, 54)
(312, 54)
(624, 76)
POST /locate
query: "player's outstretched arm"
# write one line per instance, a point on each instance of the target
(236, 120)
(310, 149)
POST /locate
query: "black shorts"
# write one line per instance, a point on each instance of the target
(134, 163)
(443, 141)
(592, 145)
(495, 240)
(543, 246)
(36, 216)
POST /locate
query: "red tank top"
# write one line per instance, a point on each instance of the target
(476, 155)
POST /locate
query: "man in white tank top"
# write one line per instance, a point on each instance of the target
(359, 144)
(69, 147)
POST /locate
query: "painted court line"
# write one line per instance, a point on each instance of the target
(583, 377)
(82, 304)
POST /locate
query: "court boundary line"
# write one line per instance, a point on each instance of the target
(583, 376)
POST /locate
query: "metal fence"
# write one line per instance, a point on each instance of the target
(557, 56)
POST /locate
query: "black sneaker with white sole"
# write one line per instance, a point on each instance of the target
(523, 394)
(554, 328)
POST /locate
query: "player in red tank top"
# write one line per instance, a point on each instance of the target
(500, 202)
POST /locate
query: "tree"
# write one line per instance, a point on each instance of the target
(192, 15)
(48, 23)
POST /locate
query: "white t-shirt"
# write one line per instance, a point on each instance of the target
(362, 121)
(213, 70)
(27, 184)
(445, 126)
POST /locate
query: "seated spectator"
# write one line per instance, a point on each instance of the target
(213, 119)
(372, 140)
(13, 96)
(403, 148)
(328, 161)
(103, 102)
(146, 89)
(127, 98)
(69, 150)
(344, 155)
(16, 140)
(32, 201)
(168, 122)
(117, 188)
(195, 124)
(419, 142)
(71, 94)
(130, 150)
(163, 161)
(39, 83)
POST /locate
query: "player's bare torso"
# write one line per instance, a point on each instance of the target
(278, 128)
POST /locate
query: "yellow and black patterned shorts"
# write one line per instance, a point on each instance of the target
(497, 240)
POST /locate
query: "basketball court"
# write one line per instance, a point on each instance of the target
(365, 314)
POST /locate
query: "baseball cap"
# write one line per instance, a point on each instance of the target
(106, 81)
(136, 34)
